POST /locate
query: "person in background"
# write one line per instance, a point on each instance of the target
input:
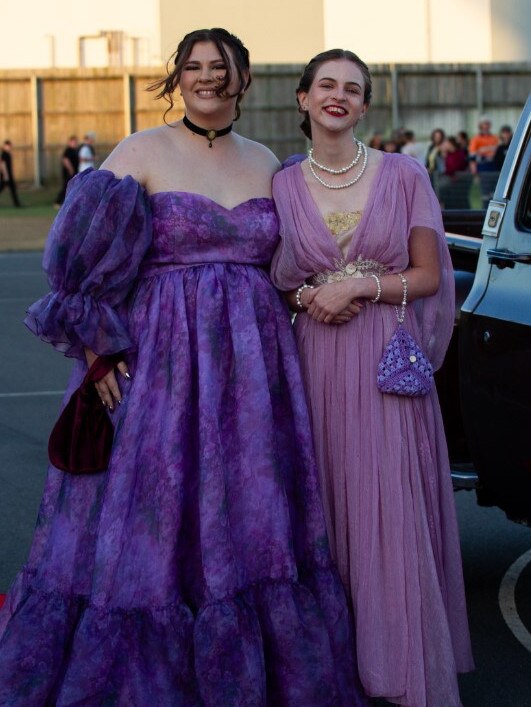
(483, 146)
(434, 158)
(455, 159)
(390, 145)
(505, 135)
(398, 137)
(453, 186)
(376, 141)
(411, 147)
(482, 149)
(87, 153)
(7, 177)
(463, 141)
(69, 167)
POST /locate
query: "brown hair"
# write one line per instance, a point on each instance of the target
(223, 40)
(434, 132)
(308, 75)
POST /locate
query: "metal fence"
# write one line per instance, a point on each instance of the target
(40, 109)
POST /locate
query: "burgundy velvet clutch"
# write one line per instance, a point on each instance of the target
(81, 439)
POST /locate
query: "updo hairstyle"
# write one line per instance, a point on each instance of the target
(310, 70)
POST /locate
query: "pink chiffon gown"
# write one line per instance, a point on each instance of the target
(383, 459)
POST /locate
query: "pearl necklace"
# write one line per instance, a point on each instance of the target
(347, 184)
(354, 162)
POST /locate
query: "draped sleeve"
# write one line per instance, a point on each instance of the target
(295, 258)
(435, 315)
(91, 259)
(285, 270)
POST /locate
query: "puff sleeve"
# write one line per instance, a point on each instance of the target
(92, 257)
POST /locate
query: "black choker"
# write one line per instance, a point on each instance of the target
(210, 135)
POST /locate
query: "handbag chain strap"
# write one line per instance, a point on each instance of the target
(401, 313)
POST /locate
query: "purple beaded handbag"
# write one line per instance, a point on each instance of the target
(404, 368)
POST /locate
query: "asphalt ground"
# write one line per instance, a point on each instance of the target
(496, 552)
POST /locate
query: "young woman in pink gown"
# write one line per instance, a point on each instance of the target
(352, 219)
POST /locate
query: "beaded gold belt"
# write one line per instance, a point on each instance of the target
(344, 270)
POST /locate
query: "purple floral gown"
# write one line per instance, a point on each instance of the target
(196, 570)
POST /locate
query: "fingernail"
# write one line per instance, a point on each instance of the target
(119, 402)
(127, 375)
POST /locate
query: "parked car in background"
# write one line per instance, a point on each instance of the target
(485, 382)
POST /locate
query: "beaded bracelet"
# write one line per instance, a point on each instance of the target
(401, 313)
(378, 286)
(298, 294)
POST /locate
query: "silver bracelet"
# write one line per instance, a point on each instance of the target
(298, 294)
(401, 313)
(378, 286)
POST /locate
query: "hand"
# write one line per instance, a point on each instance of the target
(107, 387)
(330, 300)
(348, 314)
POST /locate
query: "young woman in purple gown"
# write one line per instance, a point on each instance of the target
(195, 570)
(352, 219)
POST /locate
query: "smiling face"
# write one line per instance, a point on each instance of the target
(201, 77)
(335, 100)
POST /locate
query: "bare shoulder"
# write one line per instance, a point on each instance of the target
(374, 156)
(260, 155)
(134, 154)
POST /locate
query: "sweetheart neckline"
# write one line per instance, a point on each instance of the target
(208, 198)
(174, 191)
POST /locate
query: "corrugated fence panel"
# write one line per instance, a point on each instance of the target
(16, 122)
(78, 106)
(505, 88)
(49, 105)
(269, 110)
(447, 86)
(148, 111)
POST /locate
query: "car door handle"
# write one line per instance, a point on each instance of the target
(504, 258)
